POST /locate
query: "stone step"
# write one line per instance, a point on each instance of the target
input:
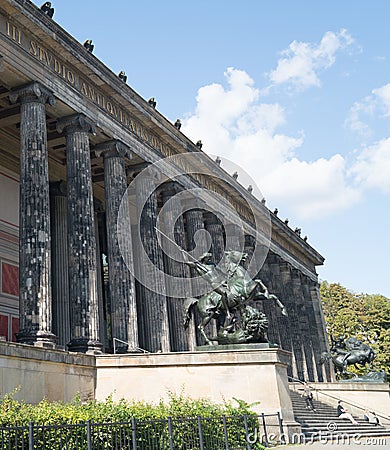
(345, 438)
(352, 428)
(317, 412)
(346, 433)
(315, 424)
(338, 422)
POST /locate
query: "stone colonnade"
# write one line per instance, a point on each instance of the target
(60, 261)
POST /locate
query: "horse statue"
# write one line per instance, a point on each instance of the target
(346, 352)
(231, 291)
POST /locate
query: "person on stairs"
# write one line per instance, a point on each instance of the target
(344, 414)
(370, 417)
(308, 396)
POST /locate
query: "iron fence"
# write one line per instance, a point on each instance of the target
(201, 433)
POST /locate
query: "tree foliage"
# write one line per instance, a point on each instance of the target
(364, 316)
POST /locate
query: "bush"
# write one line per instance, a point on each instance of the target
(111, 422)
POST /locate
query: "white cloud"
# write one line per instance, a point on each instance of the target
(354, 121)
(372, 168)
(376, 103)
(232, 122)
(302, 61)
(383, 96)
(311, 189)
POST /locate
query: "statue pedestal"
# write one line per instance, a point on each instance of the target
(228, 347)
(249, 374)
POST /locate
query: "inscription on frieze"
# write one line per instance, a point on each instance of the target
(88, 90)
(74, 79)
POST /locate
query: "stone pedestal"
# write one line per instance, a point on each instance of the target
(252, 375)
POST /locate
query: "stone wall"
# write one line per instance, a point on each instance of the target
(250, 375)
(36, 373)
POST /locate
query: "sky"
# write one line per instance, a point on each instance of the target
(297, 93)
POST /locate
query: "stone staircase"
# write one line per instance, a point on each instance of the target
(323, 424)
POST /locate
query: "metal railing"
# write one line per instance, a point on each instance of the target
(380, 414)
(129, 349)
(200, 433)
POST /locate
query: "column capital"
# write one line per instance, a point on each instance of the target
(211, 219)
(58, 188)
(74, 123)
(98, 206)
(113, 148)
(148, 172)
(32, 92)
(169, 189)
(250, 240)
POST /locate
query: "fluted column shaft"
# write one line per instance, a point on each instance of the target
(81, 236)
(195, 222)
(60, 283)
(215, 228)
(305, 322)
(234, 237)
(34, 228)
(103, 330)
(329, 374)
(181, 339)
(155, 332)
(121, 279)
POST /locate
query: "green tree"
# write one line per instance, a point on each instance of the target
(364, 316)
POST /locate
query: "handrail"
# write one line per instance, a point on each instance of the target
(124, 342)
(355, 405)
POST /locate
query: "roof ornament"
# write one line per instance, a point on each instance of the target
(88, 45)
(47, 9)
(152, 102)
(122, 76)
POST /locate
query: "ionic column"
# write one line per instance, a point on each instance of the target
(304, 324)
(249, 246)
(154, 309)
(293, 322)
(119, 246)
(194, 222)
(34, 228)
(234, 237)
(61, 307)
(276, 287)
(321, 327)
(314, 329)
(270, 309)
(181, 339)
(215, 228)
(194, 219)
(81, 236)
(99, 230)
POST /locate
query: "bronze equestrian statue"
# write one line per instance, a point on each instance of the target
(347, 352)
(232, 290)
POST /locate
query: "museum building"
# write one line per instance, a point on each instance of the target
(73, 137)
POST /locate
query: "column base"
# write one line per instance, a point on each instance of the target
(37, 338)
(85, 345)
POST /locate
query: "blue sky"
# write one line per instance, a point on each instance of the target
(295, 92)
